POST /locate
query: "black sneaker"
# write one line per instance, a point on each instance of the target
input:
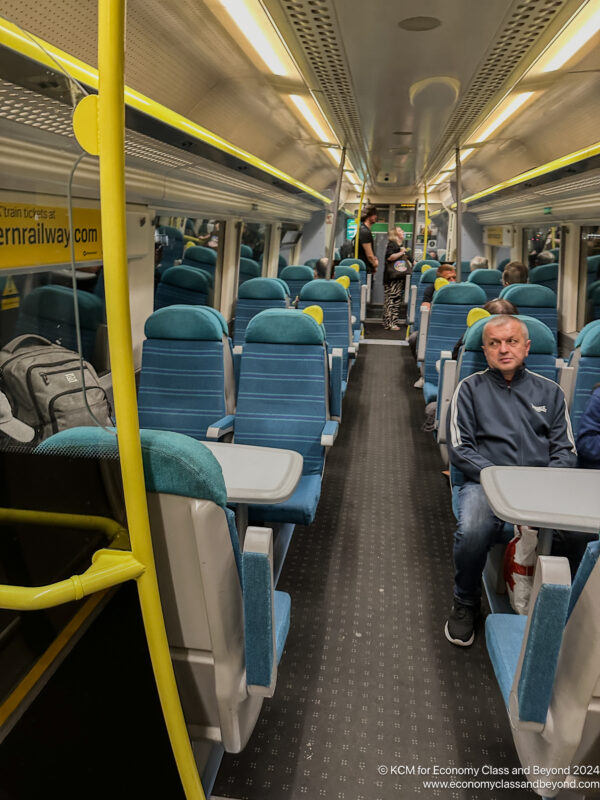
(460, 626)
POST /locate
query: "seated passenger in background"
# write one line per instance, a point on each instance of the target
(588, 438)
(320, 270)
(545, 257)
(495, 306)
(478, 262)
(443, 271)
(515, 272)
(505, 416)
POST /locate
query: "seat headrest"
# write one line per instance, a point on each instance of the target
(545, 272)
(249, 267)
(169, 230)
(284, 285)
(585, 330)
(347, 262)
(428, 276)
(485, 276)
(262, 289)
(284, 326)
(347, 272)
(219, 317)
(540, 335)
(325, 291)
(173, 463)
(188, 323)
(56, 303)
(430, 261)
(297, 272)
(246, 251)
(591, 343)
(200, 255)
(464, 294)
(529, 294)
(186, 278)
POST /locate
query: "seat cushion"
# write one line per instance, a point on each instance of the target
(299, 509)
(430, 392)
(504, 638)
(282, 603)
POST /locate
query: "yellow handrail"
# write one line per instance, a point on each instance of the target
(358, 213)
(111, 141)
(109, 568)
(20, 516)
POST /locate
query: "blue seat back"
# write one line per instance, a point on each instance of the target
(249, 269)
(354, 291)
(335, 302)
(182, 286)
(203, 257)
(490, 281)
(186, 382)
(465, 270)
(173, 249)
(448, 321)
(588, 373)
(282, 396)
(296, 276)
(533, 301)
(362, 272)
(49, 311)
(545, 275)
(415, 276)
(425, 279)
(310, 262)
(256, 295)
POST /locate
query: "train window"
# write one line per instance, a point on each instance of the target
(541, 240)
(253, 250)
(588, 297)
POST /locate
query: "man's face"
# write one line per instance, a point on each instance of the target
(505, 347)
(450, 275)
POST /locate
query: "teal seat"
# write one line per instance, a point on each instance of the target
(249, 269)
(335, 303)
(534, 301)
(246, 251)
(545, 275)
(182, 286)
(256, 295)
(355, 293)
(172, 249)
(586, 361)
(296, 276)
(225, 624)
(503, 263)
(425, 279)
(490, 281)
(362, 271)
(204, 258)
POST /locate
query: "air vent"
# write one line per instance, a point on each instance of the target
(519, 34)
(420, 23)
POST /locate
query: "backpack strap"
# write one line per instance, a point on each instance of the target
(21, 340)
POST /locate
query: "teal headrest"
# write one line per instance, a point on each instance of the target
(189, 323)
(284, 285)
(485, 276)
(429, 276)
(249, 267)
(200, 255)
(351, 273)
(529, 294)
(297, 272)
(281, 261)
(173, 463)
(585, 330)
(262, 289)
(246, 251)
(431, 261)
(56, 303)
(186, 278)
(591, 342)
(503, 263)
(284, 326)
(592, 290)
(325, 291)
(542, 338)
(169, 230)
(345, 262)
(593, 262)
(460, 294)
(545, 272)
(219, 317)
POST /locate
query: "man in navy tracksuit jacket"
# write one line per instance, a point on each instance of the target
(505, 416)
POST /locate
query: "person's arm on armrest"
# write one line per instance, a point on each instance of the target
(461, 427)
(562, 444)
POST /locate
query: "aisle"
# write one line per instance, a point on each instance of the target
(367, 681)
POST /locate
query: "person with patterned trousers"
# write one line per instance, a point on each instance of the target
(396, 269)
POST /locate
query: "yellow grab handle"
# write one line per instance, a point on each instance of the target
(316, 312)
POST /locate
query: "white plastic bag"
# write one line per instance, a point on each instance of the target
(519, 566)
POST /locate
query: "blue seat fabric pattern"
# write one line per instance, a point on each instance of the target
(588, 375)
(584, 570)
(253, 297)
(504, 638)
(490, 280)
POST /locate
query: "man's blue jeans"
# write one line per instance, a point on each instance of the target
(478, 530)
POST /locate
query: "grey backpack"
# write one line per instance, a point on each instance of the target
(43, 382)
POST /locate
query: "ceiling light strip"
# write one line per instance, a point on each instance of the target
(12, 37)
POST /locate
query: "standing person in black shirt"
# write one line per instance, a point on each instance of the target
(366, 243)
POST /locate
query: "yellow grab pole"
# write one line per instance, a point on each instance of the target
(426, 227)
(362, 194)
(111, 140)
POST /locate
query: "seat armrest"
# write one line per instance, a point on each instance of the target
(237, 363)
(221, 427)
(566, 380)
(259, 614)
(356, 338)
(352, 350)
(422, 340)
(329, 433)
(447, 384)
(336, 367)
(363, 302)
(531, 690)
(412, 305)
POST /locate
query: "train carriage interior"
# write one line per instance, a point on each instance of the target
(252, 257)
